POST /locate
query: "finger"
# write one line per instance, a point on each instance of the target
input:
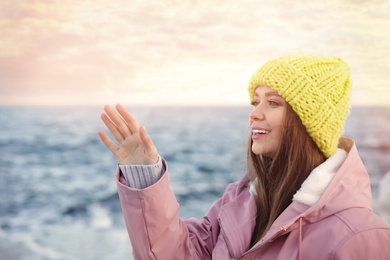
(150, 148)
(130, 120)
(112, 127)
(118, 121)
(108, 142)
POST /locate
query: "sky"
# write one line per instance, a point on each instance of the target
(171, 52)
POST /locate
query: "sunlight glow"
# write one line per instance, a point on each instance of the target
(180, 53)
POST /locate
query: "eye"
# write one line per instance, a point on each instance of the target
(273, 103)
(254, 103)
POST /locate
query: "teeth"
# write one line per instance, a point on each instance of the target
(258, 131)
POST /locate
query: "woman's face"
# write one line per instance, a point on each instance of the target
(266, 121)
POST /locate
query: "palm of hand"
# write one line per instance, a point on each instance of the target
(135, 145)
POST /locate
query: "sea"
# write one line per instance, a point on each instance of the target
(58, 198)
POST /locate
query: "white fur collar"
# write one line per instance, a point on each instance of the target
(315, 184)
(313, 187)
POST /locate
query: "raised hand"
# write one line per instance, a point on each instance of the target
(135, 145)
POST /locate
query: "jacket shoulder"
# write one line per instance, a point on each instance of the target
(361, 219)
(235, 190)
(354, 233)
(369, 236)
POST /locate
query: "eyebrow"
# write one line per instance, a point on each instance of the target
(269, 93)
(272, 93)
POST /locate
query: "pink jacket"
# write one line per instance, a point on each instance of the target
(340, 225)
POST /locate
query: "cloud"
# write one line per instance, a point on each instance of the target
(69, 50)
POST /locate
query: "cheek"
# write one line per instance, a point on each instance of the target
(278, 120)
(278, 132)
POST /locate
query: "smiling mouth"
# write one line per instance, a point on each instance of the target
(259, 132)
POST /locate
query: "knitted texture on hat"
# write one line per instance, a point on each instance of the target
(318, 90)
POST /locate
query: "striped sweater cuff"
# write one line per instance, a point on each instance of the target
(142, 176)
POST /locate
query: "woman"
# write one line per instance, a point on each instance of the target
(306, 194)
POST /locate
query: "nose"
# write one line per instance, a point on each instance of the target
(257, 113)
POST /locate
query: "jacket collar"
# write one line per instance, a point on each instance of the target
(315, 184)
(237, 219)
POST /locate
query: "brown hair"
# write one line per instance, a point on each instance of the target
(277, 179)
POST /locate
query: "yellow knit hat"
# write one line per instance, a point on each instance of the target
(318, 90)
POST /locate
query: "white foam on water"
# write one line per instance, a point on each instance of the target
(26, 245)
(100, 217)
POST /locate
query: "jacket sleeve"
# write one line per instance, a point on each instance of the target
(155, 229)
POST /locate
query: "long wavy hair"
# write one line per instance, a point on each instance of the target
(277, 179)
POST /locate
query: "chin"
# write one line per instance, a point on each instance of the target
(262, 152)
